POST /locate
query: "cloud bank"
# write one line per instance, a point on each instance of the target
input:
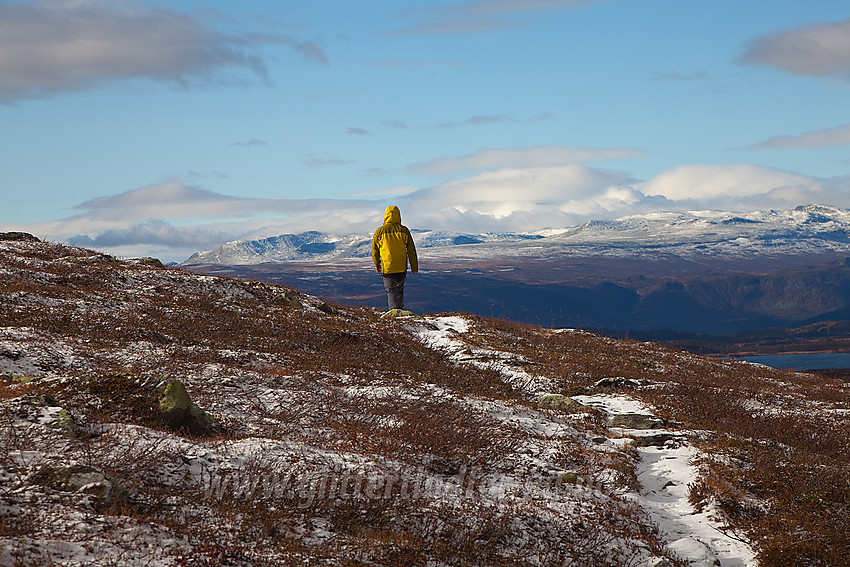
(52, 46)
(536, 156)
(511, 190)
(836, 136)
(816, 50)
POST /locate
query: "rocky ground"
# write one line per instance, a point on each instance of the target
(156, 417)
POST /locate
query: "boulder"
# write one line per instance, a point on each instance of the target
(398, 313)
(18, 236)
(291, 300)
(559, 402)
(102, 490)
(148, 261)
(325, 308)
(47, 412)
(616, 383)
(178, 411)
(637, 421)
(568, 478)
(657, 440)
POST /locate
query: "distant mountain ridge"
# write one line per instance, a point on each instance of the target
(318, 246)
(704, 273)
(805, 229)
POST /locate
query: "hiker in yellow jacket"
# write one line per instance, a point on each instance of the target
(392, 247)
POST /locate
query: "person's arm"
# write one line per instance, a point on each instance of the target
(376, 252)
(411, 254)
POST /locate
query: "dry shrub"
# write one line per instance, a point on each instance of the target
(17, 523)
(449, 436)
(522, 534)
(111, 397)
(10, 389)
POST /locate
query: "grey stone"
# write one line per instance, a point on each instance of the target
(180, 413)
(657, 440)
(51, 414)
(559, 402)
(397, 313)
(102, 490)
(291, 300)
(18, 236)
(637, 421)
(616, 383)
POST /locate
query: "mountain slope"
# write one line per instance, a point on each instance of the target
(350, 439)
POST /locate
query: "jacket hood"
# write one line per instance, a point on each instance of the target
(392, 215)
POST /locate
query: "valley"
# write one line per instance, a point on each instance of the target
(785, 304)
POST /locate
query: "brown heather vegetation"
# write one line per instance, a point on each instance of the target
(775, 444)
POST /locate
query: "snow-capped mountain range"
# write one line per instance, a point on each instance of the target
(803, 230)
(318, 246)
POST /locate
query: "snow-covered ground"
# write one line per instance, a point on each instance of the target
(348, 435)
(665, 471)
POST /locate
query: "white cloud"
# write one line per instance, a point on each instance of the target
(153, 232)
(521, 189)
(538, 156)
(517, 199)
(837, 136)
(171, 220)
(703, 183)
(165, 200)
(820, 50)
(50, 46)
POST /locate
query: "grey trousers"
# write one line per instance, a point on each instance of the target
(394, 284)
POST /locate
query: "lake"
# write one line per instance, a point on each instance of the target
(804, 361)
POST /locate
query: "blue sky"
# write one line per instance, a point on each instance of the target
(163, 128)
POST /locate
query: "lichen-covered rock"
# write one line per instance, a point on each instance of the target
(18, 236)
(180, 413)
(397, 313)
(148, 261)
(291, 300)
(559, 402)
(101, 491)
(201, 422)
(568, 478)
(43, 409)
(175, 399)
(658, 440)
(637, 421)
(327, 309)
(461, 350)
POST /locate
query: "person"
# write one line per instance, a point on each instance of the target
(392, 248)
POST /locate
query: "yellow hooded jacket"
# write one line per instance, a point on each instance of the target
(392, 245)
